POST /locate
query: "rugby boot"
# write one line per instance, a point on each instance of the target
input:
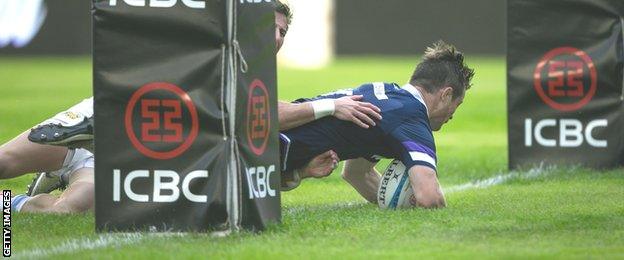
(72, 136)
(72, 128)
(45, 183)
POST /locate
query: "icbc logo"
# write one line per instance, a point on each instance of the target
(155, 120)
(258, 117)
(565, 78)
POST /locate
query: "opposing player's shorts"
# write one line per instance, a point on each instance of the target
(290, 179)
(76, 159)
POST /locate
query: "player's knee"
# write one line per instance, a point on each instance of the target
(65, 206)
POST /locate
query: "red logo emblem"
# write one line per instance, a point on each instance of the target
(565, 78)
(258, 117)
(159, 110)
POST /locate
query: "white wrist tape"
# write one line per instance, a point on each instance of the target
(323, 108)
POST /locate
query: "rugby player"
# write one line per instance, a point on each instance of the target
(410, 114)
(60, 166)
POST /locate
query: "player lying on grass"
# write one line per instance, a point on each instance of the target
(73, 168)
(410, 113)
(436, 88)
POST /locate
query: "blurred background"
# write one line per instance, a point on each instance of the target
(321, 29)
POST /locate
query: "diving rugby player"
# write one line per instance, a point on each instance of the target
(410, 114)
(73, 168)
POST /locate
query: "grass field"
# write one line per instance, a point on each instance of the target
(564, 212)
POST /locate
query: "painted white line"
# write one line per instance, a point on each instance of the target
(83, 244)
(76, 245)
(496, 180)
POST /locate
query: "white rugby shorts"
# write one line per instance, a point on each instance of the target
(76, 159)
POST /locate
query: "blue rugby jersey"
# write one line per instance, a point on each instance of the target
(403, 133)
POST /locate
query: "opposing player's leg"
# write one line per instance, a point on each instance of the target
(20, 156)
(77, 198)
(77, 173)
(71, 128)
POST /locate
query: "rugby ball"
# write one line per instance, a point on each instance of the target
(395, 189)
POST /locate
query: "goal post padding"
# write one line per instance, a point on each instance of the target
(172, 113)
(565, 65)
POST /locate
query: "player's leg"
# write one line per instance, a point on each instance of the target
(20, 156)
(77, 172)
(79, 196)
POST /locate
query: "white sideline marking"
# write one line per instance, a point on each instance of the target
(496, 180)
(77, 245)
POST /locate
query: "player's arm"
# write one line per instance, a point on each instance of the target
(291, 115)
(427, 191)
(347, 108)
(413, 142)
(363, 176)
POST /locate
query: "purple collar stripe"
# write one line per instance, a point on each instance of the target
(416, 147)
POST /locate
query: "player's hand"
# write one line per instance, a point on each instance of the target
(321, 165)
(363, 114)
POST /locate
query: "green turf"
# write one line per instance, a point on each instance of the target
(562, 213)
